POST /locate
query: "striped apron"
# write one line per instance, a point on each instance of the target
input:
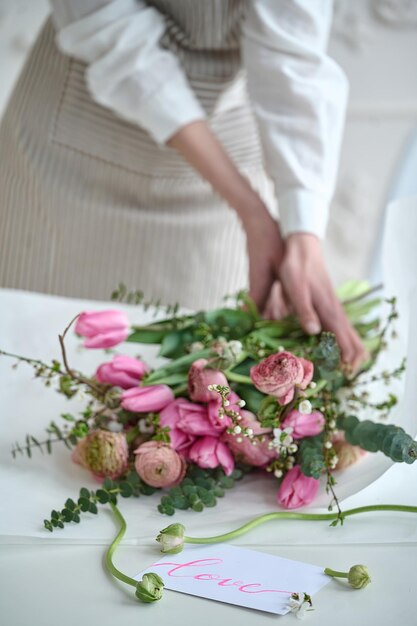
(88, 200)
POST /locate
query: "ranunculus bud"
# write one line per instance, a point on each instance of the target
(358, 576)
(346, 453)
(159, 465)
(200, 377)
(280, 373)
(296, 489)
(149, 589)
(122, 371)
(102, 452)
(148, 398)
(102, 329)
(171, 538)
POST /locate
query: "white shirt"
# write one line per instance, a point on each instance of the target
(297, 92)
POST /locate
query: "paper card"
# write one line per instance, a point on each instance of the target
(238, 576)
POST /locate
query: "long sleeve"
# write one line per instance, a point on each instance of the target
(127, 69)
(299, 98)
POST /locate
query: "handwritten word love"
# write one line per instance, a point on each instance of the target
(182, 570)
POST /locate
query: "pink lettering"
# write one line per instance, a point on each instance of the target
(221, 582)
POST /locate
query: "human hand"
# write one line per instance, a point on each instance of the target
(265, 249)
(307, 287)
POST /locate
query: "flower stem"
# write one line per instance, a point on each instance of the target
(314, 517)
(335, 574)
(237, 378)
(109, 562)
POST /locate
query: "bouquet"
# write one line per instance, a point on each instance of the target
(236, 394)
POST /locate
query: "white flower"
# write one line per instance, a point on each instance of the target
(312, 385)
(249, 432)
(237, 430)
(305, 407)
(282, 438)
(328, 445)
(278, 473)
(299, 604)
(241, 403)
(196, 346)
(144, 427)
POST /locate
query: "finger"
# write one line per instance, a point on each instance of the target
(300, 297)
(260, 287)
(276, 308)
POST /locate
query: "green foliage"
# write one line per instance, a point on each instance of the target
(392, 440)
(87, 501)
(311, 457)
(199, 489)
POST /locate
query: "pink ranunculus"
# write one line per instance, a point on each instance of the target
(303, 425)
(210, 452)
(159, 465)
(169, 416)
(296, 489)
(145, 399)
(218, 422)
(280, 373)
(200, 377)
(102, 452)
(243, 448)
(193, 420)
(122, 371)
(102, 329)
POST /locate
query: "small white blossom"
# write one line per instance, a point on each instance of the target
(196, 346)
(237, 430)
(312, 385)
(239, 439)
(299, 605)
(332, 424)
(241, 403)
(226, 403)
(278, 473)
(249, 432)
(328, 445)
(305, 407)
(144, 427)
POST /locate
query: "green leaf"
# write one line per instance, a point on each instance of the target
(84, 504)
(102, 496)
(126, 490)
(93, 508)
(84, 493)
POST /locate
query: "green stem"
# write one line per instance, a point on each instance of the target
(237, 378)
(319, 386)
(257, 521)
(180, 389)
(181, 362)
(109, 562)
(335, 574)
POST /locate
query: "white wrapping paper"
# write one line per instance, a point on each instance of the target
(30, 488)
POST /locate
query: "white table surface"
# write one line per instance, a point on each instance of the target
(47, 583)
(54, 584)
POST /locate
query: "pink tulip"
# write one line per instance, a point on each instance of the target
(193, 420)
(218, 422)
(280, 373)
(159, 465)
(211, 452)
(200, 377)
(102, 329)
(122, 371)
(243, 448)
(304, 425)
(296, 489)
(169, 417)
(145, 399)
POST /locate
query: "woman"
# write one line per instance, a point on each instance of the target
(148, 142)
